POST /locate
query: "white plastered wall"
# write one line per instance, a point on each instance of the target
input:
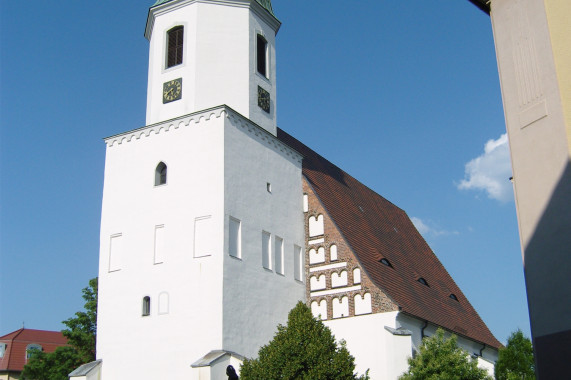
(133, 206)
(257, 299)
(374, 348)
(488, 357)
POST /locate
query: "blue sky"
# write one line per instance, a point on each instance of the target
(403, 95)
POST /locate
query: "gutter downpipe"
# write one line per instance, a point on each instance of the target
(483, 348)
(422, 329)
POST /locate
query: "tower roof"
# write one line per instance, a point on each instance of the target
(267, 4)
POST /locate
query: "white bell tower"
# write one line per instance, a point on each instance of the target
(202, 230)
(212, 52)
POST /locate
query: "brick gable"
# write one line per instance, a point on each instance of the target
(374, 229)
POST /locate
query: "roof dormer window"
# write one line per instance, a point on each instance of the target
(175, 46)
(423, 281)
(31, 348)
(385, 262)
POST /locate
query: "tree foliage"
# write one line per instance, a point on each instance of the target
(80, 336)
(441, 359)
(81, 330)
(515, 361)
(51, 366)
(303, 349)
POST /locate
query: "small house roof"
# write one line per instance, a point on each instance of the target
(17, 341)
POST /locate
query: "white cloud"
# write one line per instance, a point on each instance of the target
(420, 226)
(490, 171)
(427, 229)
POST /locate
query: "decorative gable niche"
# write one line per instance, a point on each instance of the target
(338, 280)
(316, 283)
(316, 226)
(317, 256)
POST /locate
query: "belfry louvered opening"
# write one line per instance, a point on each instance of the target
(175, 46)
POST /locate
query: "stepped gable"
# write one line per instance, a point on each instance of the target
(377, 229)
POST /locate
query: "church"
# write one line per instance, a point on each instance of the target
(215, 222)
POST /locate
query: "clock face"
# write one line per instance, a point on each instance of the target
(172, 90)
(263, 99)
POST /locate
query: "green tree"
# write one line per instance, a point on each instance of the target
(81, 330)
(51, 366)
(303, 349)
(441, 359)
(80, 336)
(515, 361)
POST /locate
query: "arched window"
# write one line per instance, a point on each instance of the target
(262, 55)
(146, 306)
(175, 45)
(161, 174)
(30, 348)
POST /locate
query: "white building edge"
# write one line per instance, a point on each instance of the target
(215, 222)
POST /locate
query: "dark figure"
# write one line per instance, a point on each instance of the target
(231, 372)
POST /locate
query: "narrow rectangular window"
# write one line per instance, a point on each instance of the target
(262, 55)
(115, 252)
(146, 306)
(159, 244)
(203, 236)
(175, 46)
(298, 263)
(234, 236)
(279, 254)
(266, 250)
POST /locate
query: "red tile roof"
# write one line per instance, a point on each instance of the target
(376, 229)
(16, 342)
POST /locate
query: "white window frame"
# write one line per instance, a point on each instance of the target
(298, 262)
(267, 250)
(238, 240)
(279, 255)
